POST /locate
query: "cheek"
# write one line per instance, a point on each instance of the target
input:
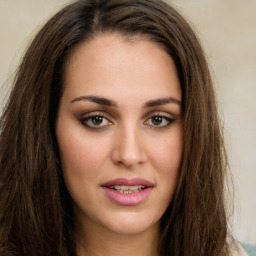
(167, 153)
(81, 166)
(82, 158)
(166, 156)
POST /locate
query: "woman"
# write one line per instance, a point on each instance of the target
(110, 141)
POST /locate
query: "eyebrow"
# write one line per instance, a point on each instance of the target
(161, 101)
(96, 99)
(111, 103)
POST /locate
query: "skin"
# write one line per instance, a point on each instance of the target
(130, 139)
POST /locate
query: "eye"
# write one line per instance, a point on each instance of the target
(159, 121)
(95, 121)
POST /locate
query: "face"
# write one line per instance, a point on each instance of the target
(119, 132)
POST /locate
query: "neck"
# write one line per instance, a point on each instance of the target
(98, 241)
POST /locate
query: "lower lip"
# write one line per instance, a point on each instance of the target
(127, 199)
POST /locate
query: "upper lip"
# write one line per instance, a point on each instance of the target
(128, 182)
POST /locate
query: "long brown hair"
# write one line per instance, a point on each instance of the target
(35, 209)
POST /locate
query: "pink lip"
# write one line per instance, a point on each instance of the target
(131, 199)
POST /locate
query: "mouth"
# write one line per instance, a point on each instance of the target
(128, 186)
(128, 192)
(127, 189)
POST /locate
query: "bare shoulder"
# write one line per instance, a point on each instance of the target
(239, 251)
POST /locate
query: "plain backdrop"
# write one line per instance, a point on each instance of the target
(227, 29)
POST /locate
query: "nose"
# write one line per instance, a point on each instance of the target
(128, 148)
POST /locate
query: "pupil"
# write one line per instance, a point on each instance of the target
(157, 120)
(97, 120)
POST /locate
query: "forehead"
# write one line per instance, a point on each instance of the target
(114, 64)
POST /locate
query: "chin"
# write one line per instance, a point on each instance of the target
(132, 224)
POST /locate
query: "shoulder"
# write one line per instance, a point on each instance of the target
(239, 251)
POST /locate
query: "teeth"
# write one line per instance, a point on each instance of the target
(128, 189)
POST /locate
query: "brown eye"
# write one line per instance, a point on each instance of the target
(96, 121)
(159, 121)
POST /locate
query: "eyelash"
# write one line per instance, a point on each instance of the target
(92, 115)
(98, 115)
(161, 117)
